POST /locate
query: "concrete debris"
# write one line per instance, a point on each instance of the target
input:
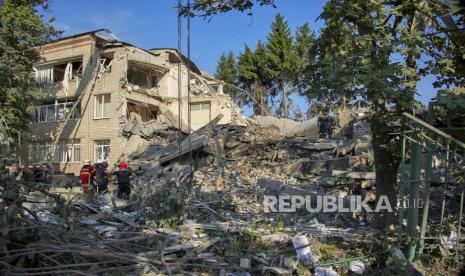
(198, 199)
(353, 175)
(287, 126)
(145, 130)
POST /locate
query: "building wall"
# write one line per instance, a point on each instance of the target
(87, 130)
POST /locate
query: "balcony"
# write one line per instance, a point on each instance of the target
(59, 79)
(56, 90)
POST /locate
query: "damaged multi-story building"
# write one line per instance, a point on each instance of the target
(92, 84)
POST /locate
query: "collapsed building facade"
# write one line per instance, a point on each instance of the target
(93, 84)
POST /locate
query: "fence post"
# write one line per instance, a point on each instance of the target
(428, 176)
(414, 193)
(403, 175)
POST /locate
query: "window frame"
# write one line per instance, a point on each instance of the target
(60, 154)
(103, 106)
(97, 145)
(201, 106)
(44, 109)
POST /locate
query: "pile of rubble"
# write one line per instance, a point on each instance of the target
(197, 208)
(236, 165)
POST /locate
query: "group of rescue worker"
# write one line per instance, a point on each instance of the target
(96, 177)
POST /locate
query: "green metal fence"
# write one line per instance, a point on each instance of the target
(433, 164)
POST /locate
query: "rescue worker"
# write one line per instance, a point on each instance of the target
(101, 176)
(326, 123)
(123, 179)
(86, 177)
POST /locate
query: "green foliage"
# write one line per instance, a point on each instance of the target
(317, 108)
(280, 45)
(282, 59)
(226, 70)
(254, 77)
(22, 30)
(273, 69)
(208, 8)
(242, 243)
(304, 48)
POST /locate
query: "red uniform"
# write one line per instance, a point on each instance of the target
(86, 177)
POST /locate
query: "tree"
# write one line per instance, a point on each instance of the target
(354, 62)
(22, 30)
(208, 8)
(444, 45)
(304, 45)
(254, 77)
(283, 60)
(226, 70)
(357, 57)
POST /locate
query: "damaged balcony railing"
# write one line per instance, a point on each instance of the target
(429, 142)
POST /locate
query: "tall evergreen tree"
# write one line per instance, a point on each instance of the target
(226, 70)
(305, 50)
(282, 60)
(22, 30)
(304, 40)
(254, 77)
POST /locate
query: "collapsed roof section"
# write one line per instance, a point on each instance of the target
(105, 38)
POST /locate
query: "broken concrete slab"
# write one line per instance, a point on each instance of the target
(188, 144)
(135, 146)
(288, 126)
(302, 168)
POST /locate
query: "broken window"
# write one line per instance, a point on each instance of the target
(105, 63)
(72, 151)
(54, 152)
(102, 150)
(146, 112)
(41, 112)
(142, 76)
(102, 106)
(61, 112)
(43, 74)
(56, 112)
(58, 72)
(64, 151)
(68, 70)
(51, 115)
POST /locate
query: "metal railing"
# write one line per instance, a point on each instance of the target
(421, 144)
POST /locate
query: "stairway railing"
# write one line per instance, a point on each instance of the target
(428, 141)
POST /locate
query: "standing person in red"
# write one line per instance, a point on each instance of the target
(87, 176)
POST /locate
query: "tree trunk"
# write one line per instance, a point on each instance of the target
(386, 165)
(262, 101)
(284, 101)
